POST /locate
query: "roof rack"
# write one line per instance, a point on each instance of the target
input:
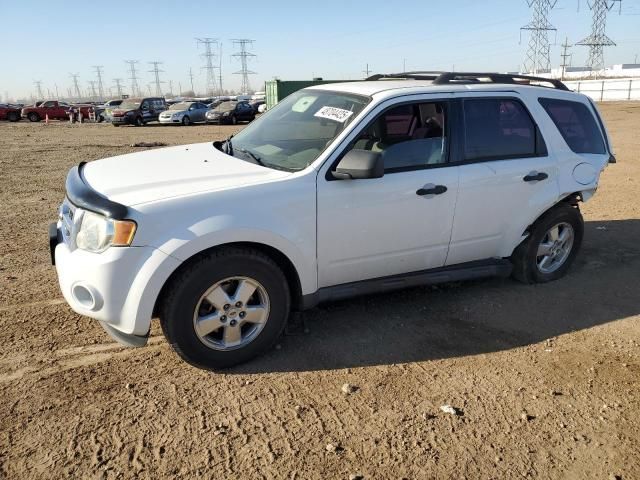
(447, 78)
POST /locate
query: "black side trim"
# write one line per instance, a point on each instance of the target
(126, 339)
(83, 196)
(55, 237)
(497, 267)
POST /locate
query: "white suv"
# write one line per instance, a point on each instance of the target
(339, 190)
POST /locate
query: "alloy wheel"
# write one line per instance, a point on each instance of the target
(555, 247)
(231, 313)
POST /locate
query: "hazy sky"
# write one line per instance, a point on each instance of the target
(48, 40)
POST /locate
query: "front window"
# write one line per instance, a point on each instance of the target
(129, 105)
(294, 133)
(408, 136)
(180, 106)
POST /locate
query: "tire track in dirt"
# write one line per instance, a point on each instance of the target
(76, 357)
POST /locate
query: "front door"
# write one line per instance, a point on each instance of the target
(398, 223)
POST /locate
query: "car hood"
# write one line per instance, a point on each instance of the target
(159, 174)
(118, 112)
(172, 112)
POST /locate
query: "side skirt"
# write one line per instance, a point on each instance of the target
(495, 267)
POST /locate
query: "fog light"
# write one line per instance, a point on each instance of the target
(86, 296)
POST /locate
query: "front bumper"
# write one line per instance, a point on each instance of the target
(127, 120)
(117, 287)
(219, 119)
(169, 120)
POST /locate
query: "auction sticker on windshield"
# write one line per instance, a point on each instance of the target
(334, 113)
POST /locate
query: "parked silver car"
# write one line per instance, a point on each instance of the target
(184, 113)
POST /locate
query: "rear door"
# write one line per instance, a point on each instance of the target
(399, 223)
(507, 176)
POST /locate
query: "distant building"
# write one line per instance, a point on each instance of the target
(622, 70)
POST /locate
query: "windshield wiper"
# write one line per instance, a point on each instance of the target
(257, 159)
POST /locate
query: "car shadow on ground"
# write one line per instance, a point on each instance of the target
(469, 318)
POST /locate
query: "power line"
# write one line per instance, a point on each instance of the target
(99, 70)
(38, 84)
(191, 79)
(209, 55)
(565, 55)
(156, 73)
(537, 59)
(220, 67)
(118, 82)
(133, 78)
(598, 39)
(75, 76)
(244, 57)
(92, 87)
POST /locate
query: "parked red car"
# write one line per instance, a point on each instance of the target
(54, 109)
(9, 112)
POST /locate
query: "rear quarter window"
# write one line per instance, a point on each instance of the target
(576, 124)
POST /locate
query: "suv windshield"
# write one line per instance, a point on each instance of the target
(129, 105)
(292, 134)
(226, 106)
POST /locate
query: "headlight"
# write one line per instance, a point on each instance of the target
(129, 114)
(97, 233)
(226, 114)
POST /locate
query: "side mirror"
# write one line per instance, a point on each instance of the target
(359, 164)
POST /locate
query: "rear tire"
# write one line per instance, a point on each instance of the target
(553, 244)
(13, 116)
(33, 117)
(182, 307)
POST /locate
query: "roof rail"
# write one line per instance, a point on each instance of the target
(445, 78)
(405, 75)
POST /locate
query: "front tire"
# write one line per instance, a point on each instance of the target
(33, 117)
(186, 121)
(553, 244)
(225, 307)
(139, 122)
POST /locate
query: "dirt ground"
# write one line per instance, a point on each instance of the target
(546, 378)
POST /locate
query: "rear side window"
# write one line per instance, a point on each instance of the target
(576, 125)
(498, 128)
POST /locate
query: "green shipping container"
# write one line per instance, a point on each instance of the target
(276, 90)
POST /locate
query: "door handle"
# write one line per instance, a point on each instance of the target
(431, 189)
(535, 176)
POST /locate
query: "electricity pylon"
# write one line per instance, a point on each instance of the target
(156, 73)
(598, 39)
(133, 78)
(209, 55)
(538, 58)
(244, 57)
